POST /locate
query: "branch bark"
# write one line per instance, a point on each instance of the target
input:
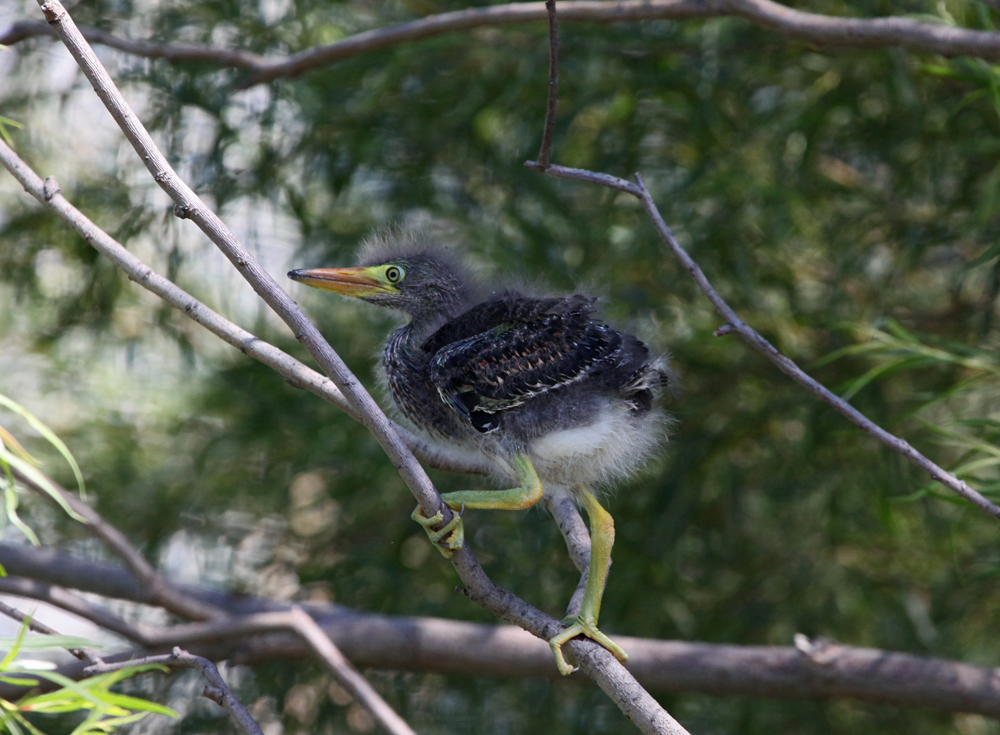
(294, 372)
(810, 669)
(217, 690)
(755, 340)
(160, 591)
(822, 30)
(593, 659)
(337, 664)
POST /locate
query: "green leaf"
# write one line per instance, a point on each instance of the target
(10, 506)
(49, 642)
(49, 436)
(42, 481)
(15, 646)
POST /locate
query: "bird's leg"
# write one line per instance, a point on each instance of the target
(602, 538)
(452, 535)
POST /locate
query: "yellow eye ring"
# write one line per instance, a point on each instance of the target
(393, 274)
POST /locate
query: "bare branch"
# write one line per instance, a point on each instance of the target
(567, 517)
(593, 177)
(545, 152)
(193, 208)
(755, 340)
(596, 661)
(337, 664)
(161, 592)
(294, 372)
(810, 669)
(59, 597)
(147, 49)
(38, 627)
(217, 690)
(794, 24)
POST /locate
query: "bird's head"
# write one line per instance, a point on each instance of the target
(423, 283)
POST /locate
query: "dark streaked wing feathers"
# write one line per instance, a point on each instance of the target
(503, 352)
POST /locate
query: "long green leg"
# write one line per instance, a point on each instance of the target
(452, 535)
(602, 538)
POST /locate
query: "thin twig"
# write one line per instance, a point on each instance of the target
(794, 24)
(62, 598)
(574, 532)
(545, 152)
(736, 325)
(295, 619)
(789, 368)
(217, 690)
(161, 592)
(38, 627)
(346, 675)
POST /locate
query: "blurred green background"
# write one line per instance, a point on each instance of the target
(844, 201)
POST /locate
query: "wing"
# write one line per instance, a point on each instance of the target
(502, 353)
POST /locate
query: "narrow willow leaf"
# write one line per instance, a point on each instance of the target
(10, 505)
(42, 481)
(49, 436)
(49, 642)
(15, 647)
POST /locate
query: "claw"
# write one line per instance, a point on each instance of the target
(579, 626)
(449, 537)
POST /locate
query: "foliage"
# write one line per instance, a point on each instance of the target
(817, 189)
(13, 455)
(104, 711)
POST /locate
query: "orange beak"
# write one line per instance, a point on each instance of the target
(354, 282)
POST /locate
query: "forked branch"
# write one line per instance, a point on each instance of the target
(637, 704)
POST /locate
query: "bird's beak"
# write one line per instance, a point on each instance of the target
(355, 282)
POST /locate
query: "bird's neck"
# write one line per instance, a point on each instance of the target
(423, 324)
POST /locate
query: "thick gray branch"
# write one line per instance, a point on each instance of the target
(810, 669)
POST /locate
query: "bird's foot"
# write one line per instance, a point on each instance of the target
(578, 625)
(449, 537)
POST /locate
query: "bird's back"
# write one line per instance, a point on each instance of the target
(542, 375)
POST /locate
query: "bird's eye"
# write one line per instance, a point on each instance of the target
(393, 274)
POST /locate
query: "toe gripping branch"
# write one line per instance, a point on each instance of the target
(450, 536)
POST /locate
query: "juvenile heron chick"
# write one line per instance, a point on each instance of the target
(545, 390)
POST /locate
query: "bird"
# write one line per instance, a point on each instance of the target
(540, 386)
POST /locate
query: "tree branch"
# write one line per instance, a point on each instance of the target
(337, 664)
(39, 627)
(161, 592)
(295, 373)
(574, 532)
(217, 690)
(592, 658)
(239, 631)
(545, 152)
(798, 25)
(810, 669)
(755, 340)
(66, 600)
